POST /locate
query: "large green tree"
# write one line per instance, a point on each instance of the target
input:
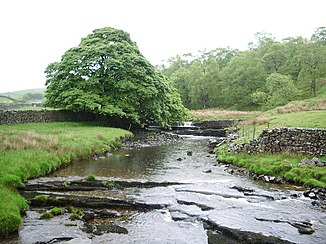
(313, 63)
(107, 74)
(278, 90)
(242, 77)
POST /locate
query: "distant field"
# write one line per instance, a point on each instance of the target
(216, 114)
(18, 95)
(5, 100)
(309, 113)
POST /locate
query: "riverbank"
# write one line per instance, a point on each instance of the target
(32, 150)
(284, 165)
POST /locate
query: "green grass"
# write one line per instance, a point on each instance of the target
(220, 114)
(5, 100)
(280, 164)
(32, 108)
(305, 119)
(32, 150)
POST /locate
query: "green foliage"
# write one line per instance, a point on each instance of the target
(90, 178)
(46, 215)
(32, 150)
(33, 97)
(41, 197)
(258, 78)
(280, 90)
(56, 211)
(11, 205)
(107, 74)
(243, 75)
(278, 164)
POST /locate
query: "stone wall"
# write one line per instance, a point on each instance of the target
(310, 141)
(35, 116)
(216, 124)
(17, 105)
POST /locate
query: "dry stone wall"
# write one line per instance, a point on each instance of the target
(36, 116)
(310, 141)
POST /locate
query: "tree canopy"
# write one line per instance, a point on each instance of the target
(107, 74)
(269, 74)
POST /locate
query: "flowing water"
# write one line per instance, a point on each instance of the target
(208, 193)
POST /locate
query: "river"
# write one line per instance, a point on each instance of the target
(206, 204)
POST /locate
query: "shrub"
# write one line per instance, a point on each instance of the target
(46, 215)
(56, 211)
(90, 178)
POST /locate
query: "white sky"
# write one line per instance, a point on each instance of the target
(35, 33)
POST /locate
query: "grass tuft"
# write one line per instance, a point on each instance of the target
(90, 178)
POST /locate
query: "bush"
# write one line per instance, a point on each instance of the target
(56, 211)
(46, 215)
(91, 178)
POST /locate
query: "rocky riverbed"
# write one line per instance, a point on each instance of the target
(172, 193)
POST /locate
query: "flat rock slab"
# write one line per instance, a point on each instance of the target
(82, 184)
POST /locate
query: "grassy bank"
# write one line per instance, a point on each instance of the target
(309, 113)
(281, 164)
(32, 150)
(251, 128)
(219, 114)
(284, 165)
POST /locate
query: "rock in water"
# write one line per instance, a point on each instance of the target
(304, 227)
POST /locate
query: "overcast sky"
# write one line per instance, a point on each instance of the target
(35, 33)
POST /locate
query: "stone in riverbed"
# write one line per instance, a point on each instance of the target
(305, 228)
(89, 215)
(100, 229)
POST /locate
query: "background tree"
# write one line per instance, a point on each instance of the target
(320, 36)
(227, 78)
(280, 90)
(243, 76)
(107, 74)
(313, 63)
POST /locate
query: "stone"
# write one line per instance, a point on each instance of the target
(312, 195)
(272, 178)
(189, 153)
(304, 162)
(307, 141)
(179, 159)
(316, 162)
(305, 228)
(208, 171)
(266, 178)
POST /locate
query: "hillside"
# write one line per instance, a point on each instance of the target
(18, 95)
(6, 99)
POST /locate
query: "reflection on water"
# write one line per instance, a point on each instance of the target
(123, 163)
(169, 162)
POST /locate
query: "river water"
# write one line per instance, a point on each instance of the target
(208, 192)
